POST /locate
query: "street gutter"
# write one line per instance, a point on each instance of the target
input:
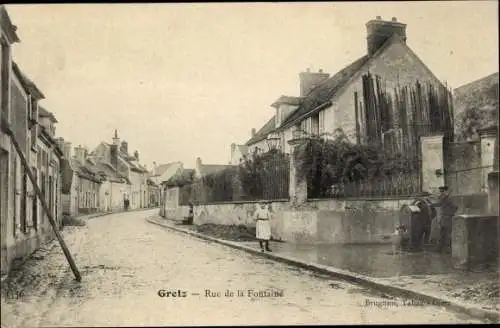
(451, 304)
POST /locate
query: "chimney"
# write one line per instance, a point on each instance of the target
(60, 143)
(116, 140)
(124, 147)
(113, 155)
(253, 132)
(80, 154)
(233, 147)
(67, 150)
(309, 80)
(379, 31)
(198, 162)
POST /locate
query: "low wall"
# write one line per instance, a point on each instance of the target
(471, 204)
(475, 238)
(317, 221)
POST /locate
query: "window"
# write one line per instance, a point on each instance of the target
(322, 122)
(24, 200)
(34, 136)
(14, 190)
(43, 189)
(35, 202)
(315, 124)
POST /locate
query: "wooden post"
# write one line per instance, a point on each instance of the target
(6, 128)
(356, 109)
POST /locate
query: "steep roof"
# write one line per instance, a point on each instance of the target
(206, 169)
(263, 132)
(42, 112)
(322, 94)
(162, 168)
(324, 91)
(110, 172)
(29, 85)
(9, 28)
(87, 170)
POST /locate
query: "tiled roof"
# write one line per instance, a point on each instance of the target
(42, 112)
(108, 170)
(263, 132)
(325, 91)
(29, 85)
(316, 97)
(162, 168)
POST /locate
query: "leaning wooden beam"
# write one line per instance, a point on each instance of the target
(6, 128)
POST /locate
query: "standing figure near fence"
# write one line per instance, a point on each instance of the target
(263, 226)
(447, 211)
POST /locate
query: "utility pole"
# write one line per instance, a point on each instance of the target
(6, 128)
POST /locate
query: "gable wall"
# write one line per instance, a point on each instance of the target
(394, 65)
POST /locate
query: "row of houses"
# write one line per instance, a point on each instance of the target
(24, 225)
(104, 179)
(72, 180)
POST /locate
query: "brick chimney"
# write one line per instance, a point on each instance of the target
(253, 132)
(113, 152)
(67, 150)
(116, 140)
(60, 143)
(309, 80)
(378, 31)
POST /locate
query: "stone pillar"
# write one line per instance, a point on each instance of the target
(488, 138)
(298, 183)
(432, 163)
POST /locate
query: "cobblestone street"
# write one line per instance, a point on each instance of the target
(125, 261)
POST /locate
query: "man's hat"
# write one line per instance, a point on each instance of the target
(443, 188)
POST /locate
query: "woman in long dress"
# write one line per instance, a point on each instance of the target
(263, 227)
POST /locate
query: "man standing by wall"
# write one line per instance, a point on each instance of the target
(446, 212)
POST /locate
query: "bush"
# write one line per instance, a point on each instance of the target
(71, 221)
(324, 162)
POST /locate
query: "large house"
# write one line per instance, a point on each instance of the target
(24, 224)
(128, 166)
(379, 97)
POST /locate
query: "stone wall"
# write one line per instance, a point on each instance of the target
(317, 221)
(462, 161)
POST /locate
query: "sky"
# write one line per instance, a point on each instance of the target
(180, 81)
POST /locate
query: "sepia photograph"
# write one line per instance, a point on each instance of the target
(249, 163)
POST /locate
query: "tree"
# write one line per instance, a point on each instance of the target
(472, 119)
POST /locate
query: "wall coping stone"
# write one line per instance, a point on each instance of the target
(373, 198)
(244, 202)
